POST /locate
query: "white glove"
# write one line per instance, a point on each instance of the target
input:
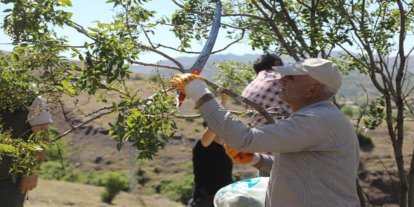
(255, 160)
(196, 89)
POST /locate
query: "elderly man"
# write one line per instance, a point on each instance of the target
(318, 146)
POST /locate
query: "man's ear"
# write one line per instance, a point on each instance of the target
(313, 90)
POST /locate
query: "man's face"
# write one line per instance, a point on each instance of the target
(295, 90)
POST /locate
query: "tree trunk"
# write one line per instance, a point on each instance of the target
(411, 183)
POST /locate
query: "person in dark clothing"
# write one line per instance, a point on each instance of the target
(212, 171)
(212, 168)
(21, 122)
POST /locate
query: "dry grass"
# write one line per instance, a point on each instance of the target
(57, 194)
(381, 157)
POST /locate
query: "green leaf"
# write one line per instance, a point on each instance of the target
(68, 88)
(4, 148)
(65, 3)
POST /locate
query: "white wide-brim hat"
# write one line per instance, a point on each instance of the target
(322, 70)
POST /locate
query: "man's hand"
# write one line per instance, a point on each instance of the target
(239, 157)
(28, 183)
(181, 80)
(190, 85)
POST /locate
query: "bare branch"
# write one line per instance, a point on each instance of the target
(154, 65)
(277, 32)
(211, 14)
(148, 47)
(248, 113)
(147, 37)
(80, 125)
(180, 66)
(249, 102)
(213, 52)
(292, 24)
(362, 111)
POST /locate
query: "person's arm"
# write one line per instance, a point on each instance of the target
(265, 163)
(299, 132)
(207, 137)
(305, 131)
(259, 161)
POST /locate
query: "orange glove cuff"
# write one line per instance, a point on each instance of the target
(239, 157)
(181, 80)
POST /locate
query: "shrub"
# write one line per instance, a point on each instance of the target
(52, 170)
(105, 197)
(73, 175)
(365, 142)
(190, 120)
(179, 190)
(157, 169)
(114, 183)
(350, 111)
(101, 178)
(142, 177)
(154, 77)
(187, 167)
(52, 152)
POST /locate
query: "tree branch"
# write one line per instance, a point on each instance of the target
(210, 14)
(245, 100)
(154, 65)
(277, 32)
(213, 52)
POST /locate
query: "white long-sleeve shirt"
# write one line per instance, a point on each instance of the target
(319, 154)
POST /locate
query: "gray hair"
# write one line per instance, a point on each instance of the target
(328, 92)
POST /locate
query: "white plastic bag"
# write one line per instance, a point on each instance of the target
(244, 193)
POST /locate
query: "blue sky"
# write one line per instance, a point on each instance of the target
(86, 12)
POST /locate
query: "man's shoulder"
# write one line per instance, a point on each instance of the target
(324, 110)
